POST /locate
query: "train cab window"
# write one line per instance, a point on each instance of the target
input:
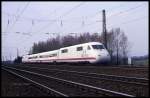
(79, 48)
(98, 47)
(88, 48)
(64, 51)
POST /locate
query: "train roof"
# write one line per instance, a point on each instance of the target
(42, 53)
(89, 43)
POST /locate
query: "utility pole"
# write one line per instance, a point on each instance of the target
(104, 29)
(17, 52)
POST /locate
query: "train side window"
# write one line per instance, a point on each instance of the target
(64, 51)
(52, 55)
(88, 48)
(34, 57)
(79, 48)
(55, 54)
(43, 56)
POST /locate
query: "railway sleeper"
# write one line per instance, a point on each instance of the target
(37, 86)
(81, 86)
(140, 92)
(43, 90)
(87, 90)
(68, 84)
(94, 92)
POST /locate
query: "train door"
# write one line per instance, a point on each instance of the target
(58, 52)
(88, 51)
(84, 52)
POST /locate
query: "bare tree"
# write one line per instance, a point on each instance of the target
(110, 43)
(125, 46)
(118, 46)
(67, 41)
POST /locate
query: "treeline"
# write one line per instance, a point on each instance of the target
(140, 60)
(117, 43)
(140, 57)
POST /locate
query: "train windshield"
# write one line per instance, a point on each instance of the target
(98, 46)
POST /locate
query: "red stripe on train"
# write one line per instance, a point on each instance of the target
(71, 59)
(75, 58)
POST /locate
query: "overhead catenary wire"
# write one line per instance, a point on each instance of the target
(9, 18)
(89, 24)
(65, 14)
(110, 9)
(41, 20)
(82, 20)
(130, 9)
(131, 21)
(17, 18)
(33, 20)
(61, 23)
(46, 20)
(134, 20)
(70, 11)
(54, 20)
(7, 25)
(29, 18)
(127, 10)
(75, 7)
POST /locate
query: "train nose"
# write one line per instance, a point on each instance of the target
(103, 57)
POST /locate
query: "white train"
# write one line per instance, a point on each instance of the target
(92, 52)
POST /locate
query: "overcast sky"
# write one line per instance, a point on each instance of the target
(24, 23)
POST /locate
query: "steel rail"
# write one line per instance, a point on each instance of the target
(36, 83)
(105, 76)
(79, 84)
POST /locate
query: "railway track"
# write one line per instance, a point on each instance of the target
(130, 85)
(62, 87)
(56, 93)
(140, 72)
(124, 79)
(12, 85)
